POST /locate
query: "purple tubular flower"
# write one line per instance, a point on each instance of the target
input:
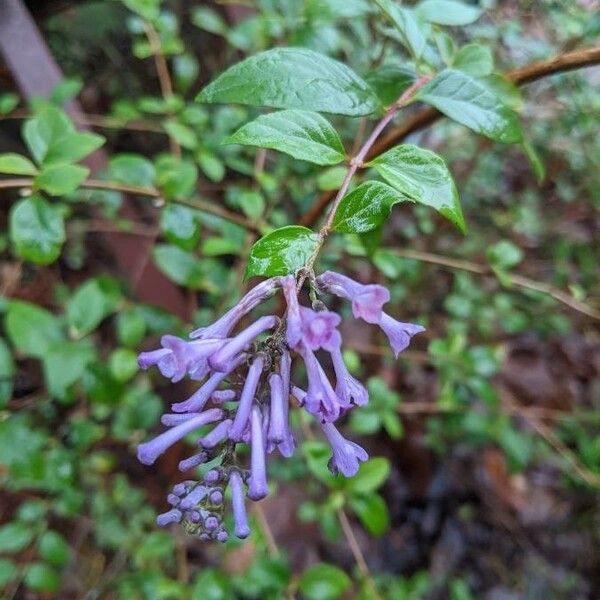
(217, 435)
(367, 300)
(172, 516)
(222, 327)
(216, 497)
(246, 399)
(398, 333)
(288, 445)
(221, 359)
(201, 396)
(192, 461)
(319, 328)
(277, 425)
(346, 454)
(347, 388)
(147, 453)
(299, 394)
(221, 396)
(320, 399)
(238, 503)
(211, 523)
(170, 419)
(294, 323)
(257, 485)
(195, 496)
(222, 536)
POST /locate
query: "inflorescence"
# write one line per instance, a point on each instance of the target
(247, 384)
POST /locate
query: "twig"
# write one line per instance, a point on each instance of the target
(536, 70)
(518, 280)
(266, 530)
(150, 192)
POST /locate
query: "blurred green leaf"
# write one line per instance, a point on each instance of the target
(15, 536)
(252, 204)
(61, 179)
(123, 364)
(208, 19)
(180, 225)
(408, 26)
(53, 547)
(65, 363)
(132, 169)
(90, 304)
(41, 577)
(182, 267)
(8, 571)
(390, 80)
(448, 12)
(15, 164)
(372, 511)
(474, 59)
(175, 178)
(8, 102)
(324, 582)
(282, 251)
(211, 584)
(181, 133)
(131, 328)
(371, 475)
(7, 372)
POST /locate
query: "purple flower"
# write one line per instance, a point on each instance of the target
(217, 435)
(201, 396)
(172, 516)
(147, 453)
(294, 324)
(257, 485)
(192, 461)
(222, 327)
(277, 425)
(346, 454)
(398, 333)
(194, 497)
(221, 396)
(288, 445)
(367, 300)
(347, 388)
(246, 399)
(320, 399)
(223, 357)
(238, 503)
(319, 328)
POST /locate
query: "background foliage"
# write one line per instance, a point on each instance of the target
(484, 435)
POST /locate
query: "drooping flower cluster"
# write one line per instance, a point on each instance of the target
(244, 397)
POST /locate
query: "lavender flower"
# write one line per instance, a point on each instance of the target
(319, 328)
(347, 388)
(217, 435)
(257, 485)
(346, 454)
(238, 503)
(277, 425)
(398, 333)
(246, 399)
(294, 324)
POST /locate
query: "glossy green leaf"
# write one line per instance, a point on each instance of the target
(423, 177)
(407, 24)
(132, 169)
(61, 179)
(53, 547)
(389, 81)
(92, 302)
(366, 207)
(371, 475)
(36, 230)
(323, 582)
(302, 134)
(182, 267)
(372, 511)
(180, 226)
(7, 372)
(448, 12)
(282, 251)
(293, 78)
(469, 102)
(65, 363)
(31, 329)
(15, 164)
(475, 60)
(15, 536)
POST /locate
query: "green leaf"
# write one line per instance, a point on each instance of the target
(448, 12)
(53, 547)
(175, 178)
(324, 582)
(8, 102)
(371, 475)
(180, 266)
(41, 577)
(132, 169)
(36, 230)
(282, 251)
(180, 225)
(331, 178)
(211, 165)
(302, 134)
(252, 204)
(366, 207)
(90, 304)
(475, 60)
(61, 179)
(372, 511)
(211, 584)
(504, 254)
(131, 328)
(147, 9)
(470, 102)
(422, 176)
(14, 537)
(123, 364)
(66, 90)
(407, 24)
(293, 78)
(73, 147)
(65, 363)
(8, 571)
(7, 372)
(389, 81)
(182, 134)
(31, 329)
(208, 20)
(15, 164)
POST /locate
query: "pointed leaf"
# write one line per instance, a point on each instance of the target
(424, 177)
(302, 134)
(389, 81)
(469, 102)
(15, 164)
(46, 129)
(61, 179)
(366, 207)
(37, 230)
(475, 60)
(293, 78)
(73, 147)
(407, 24)
(448, 12)
(372, 511)
(282, 251)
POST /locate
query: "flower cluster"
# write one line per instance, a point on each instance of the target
(244, 397)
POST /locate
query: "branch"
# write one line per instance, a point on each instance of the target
(149, 192)
(522, 76)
